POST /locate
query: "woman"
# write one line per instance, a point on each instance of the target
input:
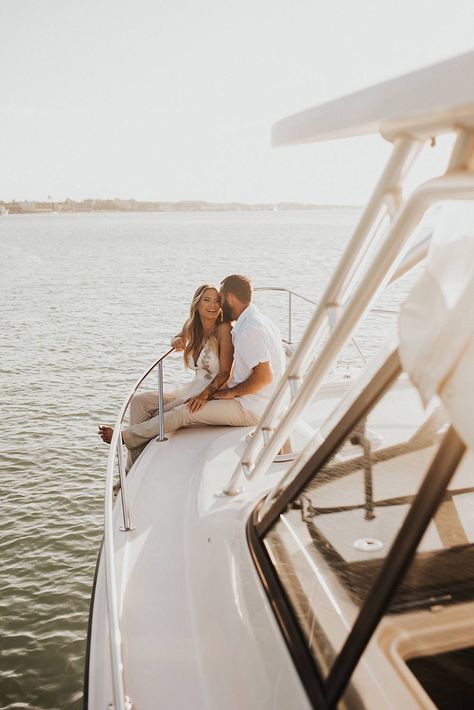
(207, 344)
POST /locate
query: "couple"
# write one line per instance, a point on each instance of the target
(250, 354)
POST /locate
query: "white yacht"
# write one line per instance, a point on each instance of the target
(341, 575)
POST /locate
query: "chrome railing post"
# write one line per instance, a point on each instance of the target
(127, 525)
(161, 413)
(289, 317)
(115, 638)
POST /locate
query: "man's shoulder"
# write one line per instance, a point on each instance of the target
(261, 327)
(252, 327)
(257, 318)
(262, 321)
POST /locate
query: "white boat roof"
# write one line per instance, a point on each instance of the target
(423, 103)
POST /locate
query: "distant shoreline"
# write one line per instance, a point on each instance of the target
(134, 206)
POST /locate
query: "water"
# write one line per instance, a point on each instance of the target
(88, 302)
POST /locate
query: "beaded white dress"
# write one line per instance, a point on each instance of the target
(205, 369)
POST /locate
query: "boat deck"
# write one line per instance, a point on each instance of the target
(182, 619)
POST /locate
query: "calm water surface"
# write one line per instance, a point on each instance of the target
(88, 301)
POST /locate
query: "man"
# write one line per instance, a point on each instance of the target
(259, 362)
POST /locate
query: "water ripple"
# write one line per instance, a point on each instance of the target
(88, 301)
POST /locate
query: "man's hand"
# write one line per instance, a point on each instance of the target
(195, 403)
(225, 394)
(262, 375)
(178, 342)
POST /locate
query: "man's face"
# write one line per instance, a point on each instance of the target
(227, 314)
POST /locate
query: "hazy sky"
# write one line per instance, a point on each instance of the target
(175, 99)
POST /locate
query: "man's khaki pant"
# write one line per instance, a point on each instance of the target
(217, 412)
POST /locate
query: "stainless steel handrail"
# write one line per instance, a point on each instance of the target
(121, 701)
(454, 187)
(446, 187)
(290, 292)
(457, 183)
(384, 197)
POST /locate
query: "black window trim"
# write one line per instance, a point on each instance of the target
(292, 634)
(327, 693)
(396, 563)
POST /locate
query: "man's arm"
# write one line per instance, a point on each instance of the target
(262, 375)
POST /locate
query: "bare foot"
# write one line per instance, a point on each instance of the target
(106, 433)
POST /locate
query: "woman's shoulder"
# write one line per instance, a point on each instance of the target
(224, 329)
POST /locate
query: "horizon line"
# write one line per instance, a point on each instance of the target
(131, 200)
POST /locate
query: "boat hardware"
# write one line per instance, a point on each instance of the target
(368, 544)
(451, 186)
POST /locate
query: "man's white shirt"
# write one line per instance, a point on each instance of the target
(256, 339)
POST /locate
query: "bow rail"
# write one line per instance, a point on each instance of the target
(291, 294)
(121, 701)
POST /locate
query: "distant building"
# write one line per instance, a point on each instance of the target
(44, 207)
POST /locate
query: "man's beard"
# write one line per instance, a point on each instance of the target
(226, 313)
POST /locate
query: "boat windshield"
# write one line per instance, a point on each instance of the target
(329, 541)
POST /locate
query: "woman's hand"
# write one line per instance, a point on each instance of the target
(178, 342)
(195, 403)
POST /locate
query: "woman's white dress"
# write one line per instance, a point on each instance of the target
(144, 405)
(205, 369)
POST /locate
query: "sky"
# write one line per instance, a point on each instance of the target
(175, 99)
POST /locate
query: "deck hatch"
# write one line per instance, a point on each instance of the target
(388, 487)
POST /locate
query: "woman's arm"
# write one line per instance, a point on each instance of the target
(226, 357)
(178, 342)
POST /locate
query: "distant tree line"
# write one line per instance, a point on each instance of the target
(119, 205)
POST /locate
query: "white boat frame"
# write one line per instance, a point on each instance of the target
(408, 124)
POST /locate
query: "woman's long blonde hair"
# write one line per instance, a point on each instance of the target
(192, 331)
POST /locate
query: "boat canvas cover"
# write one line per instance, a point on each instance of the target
(437, 321)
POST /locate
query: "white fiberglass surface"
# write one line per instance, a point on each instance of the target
(405, 104)
(197, 630)
(329, 543)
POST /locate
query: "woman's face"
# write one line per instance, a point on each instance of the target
(209, 305)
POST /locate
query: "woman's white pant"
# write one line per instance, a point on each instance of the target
(216, 412)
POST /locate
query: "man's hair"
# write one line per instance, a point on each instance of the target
(240, 286)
